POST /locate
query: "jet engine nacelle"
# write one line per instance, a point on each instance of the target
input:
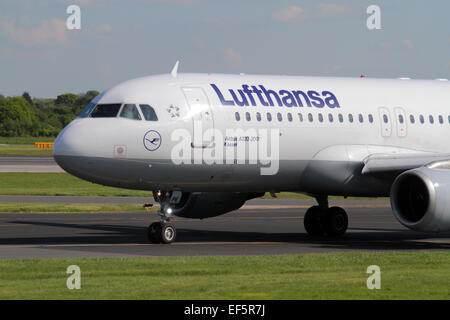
(420, 199)
(200, 205)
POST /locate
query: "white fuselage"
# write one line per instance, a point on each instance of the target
(320, 149)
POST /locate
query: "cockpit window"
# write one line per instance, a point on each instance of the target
(106, 110)
(87, 110)
(148, 112)
(130, 111)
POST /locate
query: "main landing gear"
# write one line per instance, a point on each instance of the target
(163, 231)
(322, 220)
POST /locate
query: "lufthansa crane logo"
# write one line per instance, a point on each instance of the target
(152, 140)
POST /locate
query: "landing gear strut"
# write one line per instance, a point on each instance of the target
(321, 220)
(163, 231)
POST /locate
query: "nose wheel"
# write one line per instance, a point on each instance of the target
(161, 232)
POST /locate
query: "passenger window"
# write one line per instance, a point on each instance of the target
(237, 116)
(400, 119)
(441, 119)
(258, 116)
(341, 118)
(411, 119)
(360, 117)
(320, 117)
(370, 118)
(421, 118)
(105, 110)
(279, 117)
(350, 117)
(148, 112)
(130, 111)
(300, 117)
(431, 119)
(385, 118)
(247, 116)
(330, 117)
(310, 117)
(269, 116)
(289, 117)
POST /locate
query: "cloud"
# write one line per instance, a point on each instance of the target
(290, 14)
(50, 32)
(199, 43)
(5, 51)
(103, 28)
(77, 2)
(386, 45)
(86, 3)
(408, 44)
(331, 10)
(233, 58)
(320, 11)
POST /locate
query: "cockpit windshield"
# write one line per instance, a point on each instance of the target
(87, 110)
(148, 112)
(130, 111)
(105, 110)
(111, 110)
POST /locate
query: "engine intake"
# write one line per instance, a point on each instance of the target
(420, 199)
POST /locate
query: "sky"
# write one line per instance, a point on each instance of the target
(121, 40)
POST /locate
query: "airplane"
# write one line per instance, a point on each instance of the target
(181, 135)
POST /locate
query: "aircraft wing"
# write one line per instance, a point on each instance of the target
(395, 164)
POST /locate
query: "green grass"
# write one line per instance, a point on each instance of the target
(57, 184)
(67, 208)
(24, 150)
(25, 140)
(406, 275)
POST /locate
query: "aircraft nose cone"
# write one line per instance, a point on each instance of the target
(67, 142)
(68, 146)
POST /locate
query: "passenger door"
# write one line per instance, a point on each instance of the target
(202, 117)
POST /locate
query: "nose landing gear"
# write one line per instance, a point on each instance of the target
(161, 232)
(321, 220)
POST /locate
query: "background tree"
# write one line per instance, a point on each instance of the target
(23, 116)
(27, 97)
(67, 99)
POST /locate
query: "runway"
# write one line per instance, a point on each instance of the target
(261, 227)
(28, 164)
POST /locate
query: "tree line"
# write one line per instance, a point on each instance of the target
(34, 117)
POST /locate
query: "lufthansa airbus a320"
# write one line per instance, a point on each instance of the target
(207, 143)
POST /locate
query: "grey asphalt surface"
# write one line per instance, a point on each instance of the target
(272, 226)
(28, 164)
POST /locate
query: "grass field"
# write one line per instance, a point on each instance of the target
(57, 184)
(25, 140)
(405, 275)
(67, 207)
(24, 150)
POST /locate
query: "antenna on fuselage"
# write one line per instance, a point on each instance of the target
(175, 69)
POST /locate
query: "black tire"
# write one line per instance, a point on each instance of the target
(313, 221)
(168, 233)
(154, 232)
(336, 222)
